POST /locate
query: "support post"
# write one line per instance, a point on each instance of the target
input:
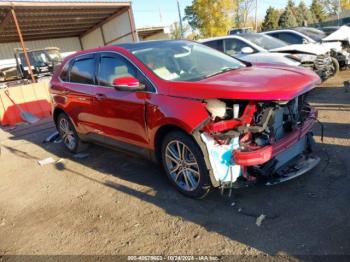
(132, 23)
(256, 15)
(23, 45)
(180, 20)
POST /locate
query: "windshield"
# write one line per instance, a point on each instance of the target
(264, 41)
(36, 58)
(184, 61)
(313, 33)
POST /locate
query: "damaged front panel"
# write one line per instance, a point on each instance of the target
(249, 142)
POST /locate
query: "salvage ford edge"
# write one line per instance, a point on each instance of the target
(209, 119)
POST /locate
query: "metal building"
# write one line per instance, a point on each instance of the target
(69, 25)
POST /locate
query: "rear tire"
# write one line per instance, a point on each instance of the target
(69, 135)
(184, 164)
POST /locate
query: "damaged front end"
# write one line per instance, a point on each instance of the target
(343, 55)
(258, 142)
(322, 65)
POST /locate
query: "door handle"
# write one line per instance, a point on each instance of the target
(83, 99)
(100, 96)
(65, 92)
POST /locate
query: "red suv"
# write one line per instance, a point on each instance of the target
(211, 120)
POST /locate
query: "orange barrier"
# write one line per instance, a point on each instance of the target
(32, 98)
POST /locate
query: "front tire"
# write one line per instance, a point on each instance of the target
(336, 66)
(69, 135)
(184, 164)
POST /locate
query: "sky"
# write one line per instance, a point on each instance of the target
(164, 12)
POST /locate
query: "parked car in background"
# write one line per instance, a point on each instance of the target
(237, 31)
(329, 29)
(8, 73)
(258, 48)
(211, 120)
(342, 36)
(312, 39)
(42, 61)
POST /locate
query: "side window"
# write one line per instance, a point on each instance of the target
(290, 38)
(113, 66)
(216, 44)
(64, 73)
(83, 71)
(234, 46)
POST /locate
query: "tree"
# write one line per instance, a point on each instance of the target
(303, 14)
(287, 19)
(291, 6)
(331, 7)
(317, 11)
(271, 19)
(243, 9)
(210, 17)
(345, 4)
(175, 31)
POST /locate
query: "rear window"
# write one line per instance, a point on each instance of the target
(83, 71)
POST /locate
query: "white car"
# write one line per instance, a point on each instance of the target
(258, 48)
(312, 40)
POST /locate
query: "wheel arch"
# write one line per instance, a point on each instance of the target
(160, 135)
(56, 112)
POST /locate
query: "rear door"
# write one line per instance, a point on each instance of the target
(121, 114)
(80, 80)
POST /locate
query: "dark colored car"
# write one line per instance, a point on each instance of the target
(211, 120)
(237, 31)
(43, 62)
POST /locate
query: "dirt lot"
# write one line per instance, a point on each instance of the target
(112, 203)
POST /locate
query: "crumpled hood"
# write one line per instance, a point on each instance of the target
(258, 82)
(311, 48)
(342, 34)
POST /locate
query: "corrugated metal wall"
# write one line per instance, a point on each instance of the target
(117, 27)
(117, 30)
(92, 39)
(66, 45)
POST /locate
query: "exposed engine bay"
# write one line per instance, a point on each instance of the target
(268, 141)
(342, 56)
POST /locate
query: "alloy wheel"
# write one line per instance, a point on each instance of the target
(67, 134)
(182, 165)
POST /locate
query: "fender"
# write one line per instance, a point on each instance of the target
(186, 114)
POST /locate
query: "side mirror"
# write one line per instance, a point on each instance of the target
(127, 83)
(305, 41)
(247, 50)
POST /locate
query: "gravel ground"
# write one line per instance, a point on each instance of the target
(112, 203)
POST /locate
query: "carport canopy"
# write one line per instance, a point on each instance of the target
(35, 20)
(54, 19)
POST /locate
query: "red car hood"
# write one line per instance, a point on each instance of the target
(258, 82)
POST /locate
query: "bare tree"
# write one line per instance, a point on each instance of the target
(330, 7)
(244, 10)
